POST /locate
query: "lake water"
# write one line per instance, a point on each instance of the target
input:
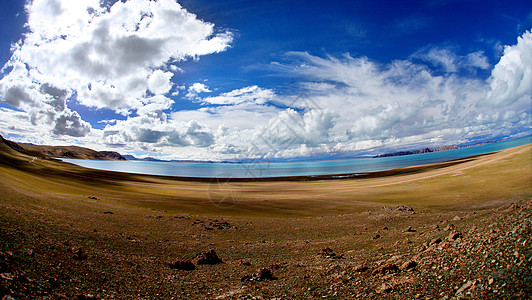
(284, 169)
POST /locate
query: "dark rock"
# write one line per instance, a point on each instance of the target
(182, 265)
(454, 236)
(404, 208)
(383, 288)
(410, 229)
(79, 254)
(408, 265)
(265, 274)
(377, 236)
(245, 263)
(207, 258)
(329, 253)
(435, 241)
(386, 268)
(262, 274)
(86, 297)
(361, 268)
(108, 213)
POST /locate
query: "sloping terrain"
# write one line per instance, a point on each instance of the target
(463, 231)
(75, 152)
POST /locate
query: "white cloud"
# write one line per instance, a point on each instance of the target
(450, 62)
(159, 82)
(251, 94)
(195, 89)
(511, 79)
(109, 58)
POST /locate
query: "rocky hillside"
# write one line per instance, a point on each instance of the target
(61, 151)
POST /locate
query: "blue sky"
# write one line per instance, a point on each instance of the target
(264, 79)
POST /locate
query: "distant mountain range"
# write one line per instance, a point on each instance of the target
(75, 152)
(428, 150)
(419, 151)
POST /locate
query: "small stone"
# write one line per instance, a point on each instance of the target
(490, 281)
(262, 274)
(329, 253)
(410, 229)
(207, 258)
(457, 218)
(408, 265)
(79, 254)
(465, 287)
(454, 236)
(361, 268)
(387, 268)
(245, 263)
(404, 208)
(377, 236)
(435, 241)
(182, 265)
(383, 288)
(265, 274)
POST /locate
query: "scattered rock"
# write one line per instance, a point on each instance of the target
(377, 236)
(30, 252)
(454, 236)
(361, 268)
(408, 265)
(407, 241)
(108, 213)
(182, 265)
(329, 253)
(93, 198)
(435, 226)
(219, 225)
(465, 287)
(435, 241)
(386, 268)
(79, 254)
(404, 208)
(457, 218)
(449, 227)
(261, 275)
(207, 258)
(245, 263)
(410, 229)
(86, 297)
(265, 274)
(383, 288)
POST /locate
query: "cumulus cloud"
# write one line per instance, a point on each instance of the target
(195, 89)
(159, 82)
(511, 79)
(111, 58)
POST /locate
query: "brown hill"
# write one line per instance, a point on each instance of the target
(59, 151)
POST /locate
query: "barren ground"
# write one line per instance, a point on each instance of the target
(460, 230)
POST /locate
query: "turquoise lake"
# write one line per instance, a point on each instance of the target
(285, 169)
